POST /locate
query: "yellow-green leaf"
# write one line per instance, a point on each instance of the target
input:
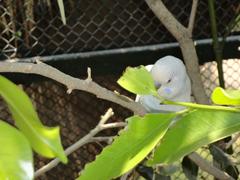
(194, 130)
(131, 147)
(226, 97)
(138, 80)
(44, 140)
(16, 158)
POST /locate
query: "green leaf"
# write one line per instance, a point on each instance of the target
(44, 140)
(138, 80)
(226, 97)
(194, 130)
(62, 11)
(131, 147)
(15, 154)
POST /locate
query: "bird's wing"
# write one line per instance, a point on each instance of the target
(150, 103)
(153, 105)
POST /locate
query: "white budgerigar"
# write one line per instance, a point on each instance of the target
(172, 83)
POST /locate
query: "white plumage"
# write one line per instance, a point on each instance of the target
(172, 83)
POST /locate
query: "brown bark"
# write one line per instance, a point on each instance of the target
(191, 61)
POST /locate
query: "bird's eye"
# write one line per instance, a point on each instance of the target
(169, 80)
(157, 85)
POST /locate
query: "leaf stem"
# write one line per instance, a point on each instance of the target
(202, 106)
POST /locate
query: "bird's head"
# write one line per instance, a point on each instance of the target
(170, 76)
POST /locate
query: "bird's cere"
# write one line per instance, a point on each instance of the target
(168, 90)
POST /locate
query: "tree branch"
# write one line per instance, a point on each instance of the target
(86, 139)
(192, 16)
(232, 141)
(205, 166)
(72, 83)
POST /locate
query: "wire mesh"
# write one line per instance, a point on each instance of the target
(231, 75)
(30, 28)
(36, 28)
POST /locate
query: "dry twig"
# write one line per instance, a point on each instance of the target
(206, 166)
(232, 141)
(192, 16)
(72, 83)
(86, 139)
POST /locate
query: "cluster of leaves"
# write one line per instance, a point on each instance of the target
(16, 154)
(195, 127)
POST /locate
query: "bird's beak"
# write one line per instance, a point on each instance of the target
(157, 85)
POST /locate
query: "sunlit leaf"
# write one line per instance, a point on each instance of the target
(226, 97)
(132, 146)
(194, 130)
(138, 80)
(16, 159)
(62, 11)
(44, 140)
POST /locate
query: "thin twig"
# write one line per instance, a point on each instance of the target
(206, 166)
(105, 117)
(113, 125)
(233, 140)
(89, 72)
(86, 139)
(192, 16)
(72, 83)
(108, 139)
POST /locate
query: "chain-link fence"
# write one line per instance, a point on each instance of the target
(32, 28)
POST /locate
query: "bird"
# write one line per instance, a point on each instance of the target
(171, 82)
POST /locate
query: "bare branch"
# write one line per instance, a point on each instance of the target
(206, 166)
(232, 141)
(69, 91)
(105, 117)
(89, 77)
(56, 161)
(108, 139)
(192, 16)
(72, 83)
(113, 125)
(86, 139)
